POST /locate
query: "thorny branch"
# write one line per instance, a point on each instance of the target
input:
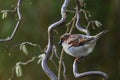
(50, 42)
(17, 10)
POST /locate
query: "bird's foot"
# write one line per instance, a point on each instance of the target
(80, 58)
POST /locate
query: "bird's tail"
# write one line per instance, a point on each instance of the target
(97, 36)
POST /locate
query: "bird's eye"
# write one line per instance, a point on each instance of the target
(65, 37)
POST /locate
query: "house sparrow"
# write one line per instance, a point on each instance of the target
(79, 45)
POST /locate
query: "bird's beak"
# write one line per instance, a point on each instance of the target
(60, 42)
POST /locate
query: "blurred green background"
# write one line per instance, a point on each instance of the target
(37, 15)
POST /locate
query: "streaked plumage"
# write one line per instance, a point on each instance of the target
(79, 45)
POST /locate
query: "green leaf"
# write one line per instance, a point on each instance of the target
(97, 23)
(4, 14)
(21, 47)
(40, 58)
(18, 70)
(38, 62)
(24, 49)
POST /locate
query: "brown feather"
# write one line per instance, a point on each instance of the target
(78, 41)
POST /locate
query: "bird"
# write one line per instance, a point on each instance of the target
(79, 45)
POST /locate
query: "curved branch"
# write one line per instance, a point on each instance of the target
(78, 26)
(44, 65)
(17, 9)
(75, 64)
(81, 75)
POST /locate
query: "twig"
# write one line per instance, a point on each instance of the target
(75, 64)
(21, 63)
(60, 61)
(92, 22)
(44, 65)
(70, 11)
(81, 75)
(12, 74)
(73, 24)
(78, 26)
(54, 52)
(28, 61)
(64, 70)
(9, 11)
(62, 52)
(17, 24)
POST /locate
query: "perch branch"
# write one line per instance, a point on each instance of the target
(81, 75)
(75, 64)
(17, 9)
(44, 65)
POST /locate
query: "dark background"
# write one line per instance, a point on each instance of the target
(37, 15)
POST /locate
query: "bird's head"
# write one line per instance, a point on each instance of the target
(63, 38)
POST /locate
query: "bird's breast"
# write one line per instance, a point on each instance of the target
(76, 51)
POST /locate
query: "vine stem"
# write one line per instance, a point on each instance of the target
(81, 75)
(60, 63)
(48, 51)
(78, 26)
(62, 51)
(17, 9)
(75, 64)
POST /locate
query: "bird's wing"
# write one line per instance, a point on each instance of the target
(78, 41)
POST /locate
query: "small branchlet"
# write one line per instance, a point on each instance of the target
(24, 49)
(44, 65)
(4, 15)
(75, 64)
(18, 68)
(89, 73)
